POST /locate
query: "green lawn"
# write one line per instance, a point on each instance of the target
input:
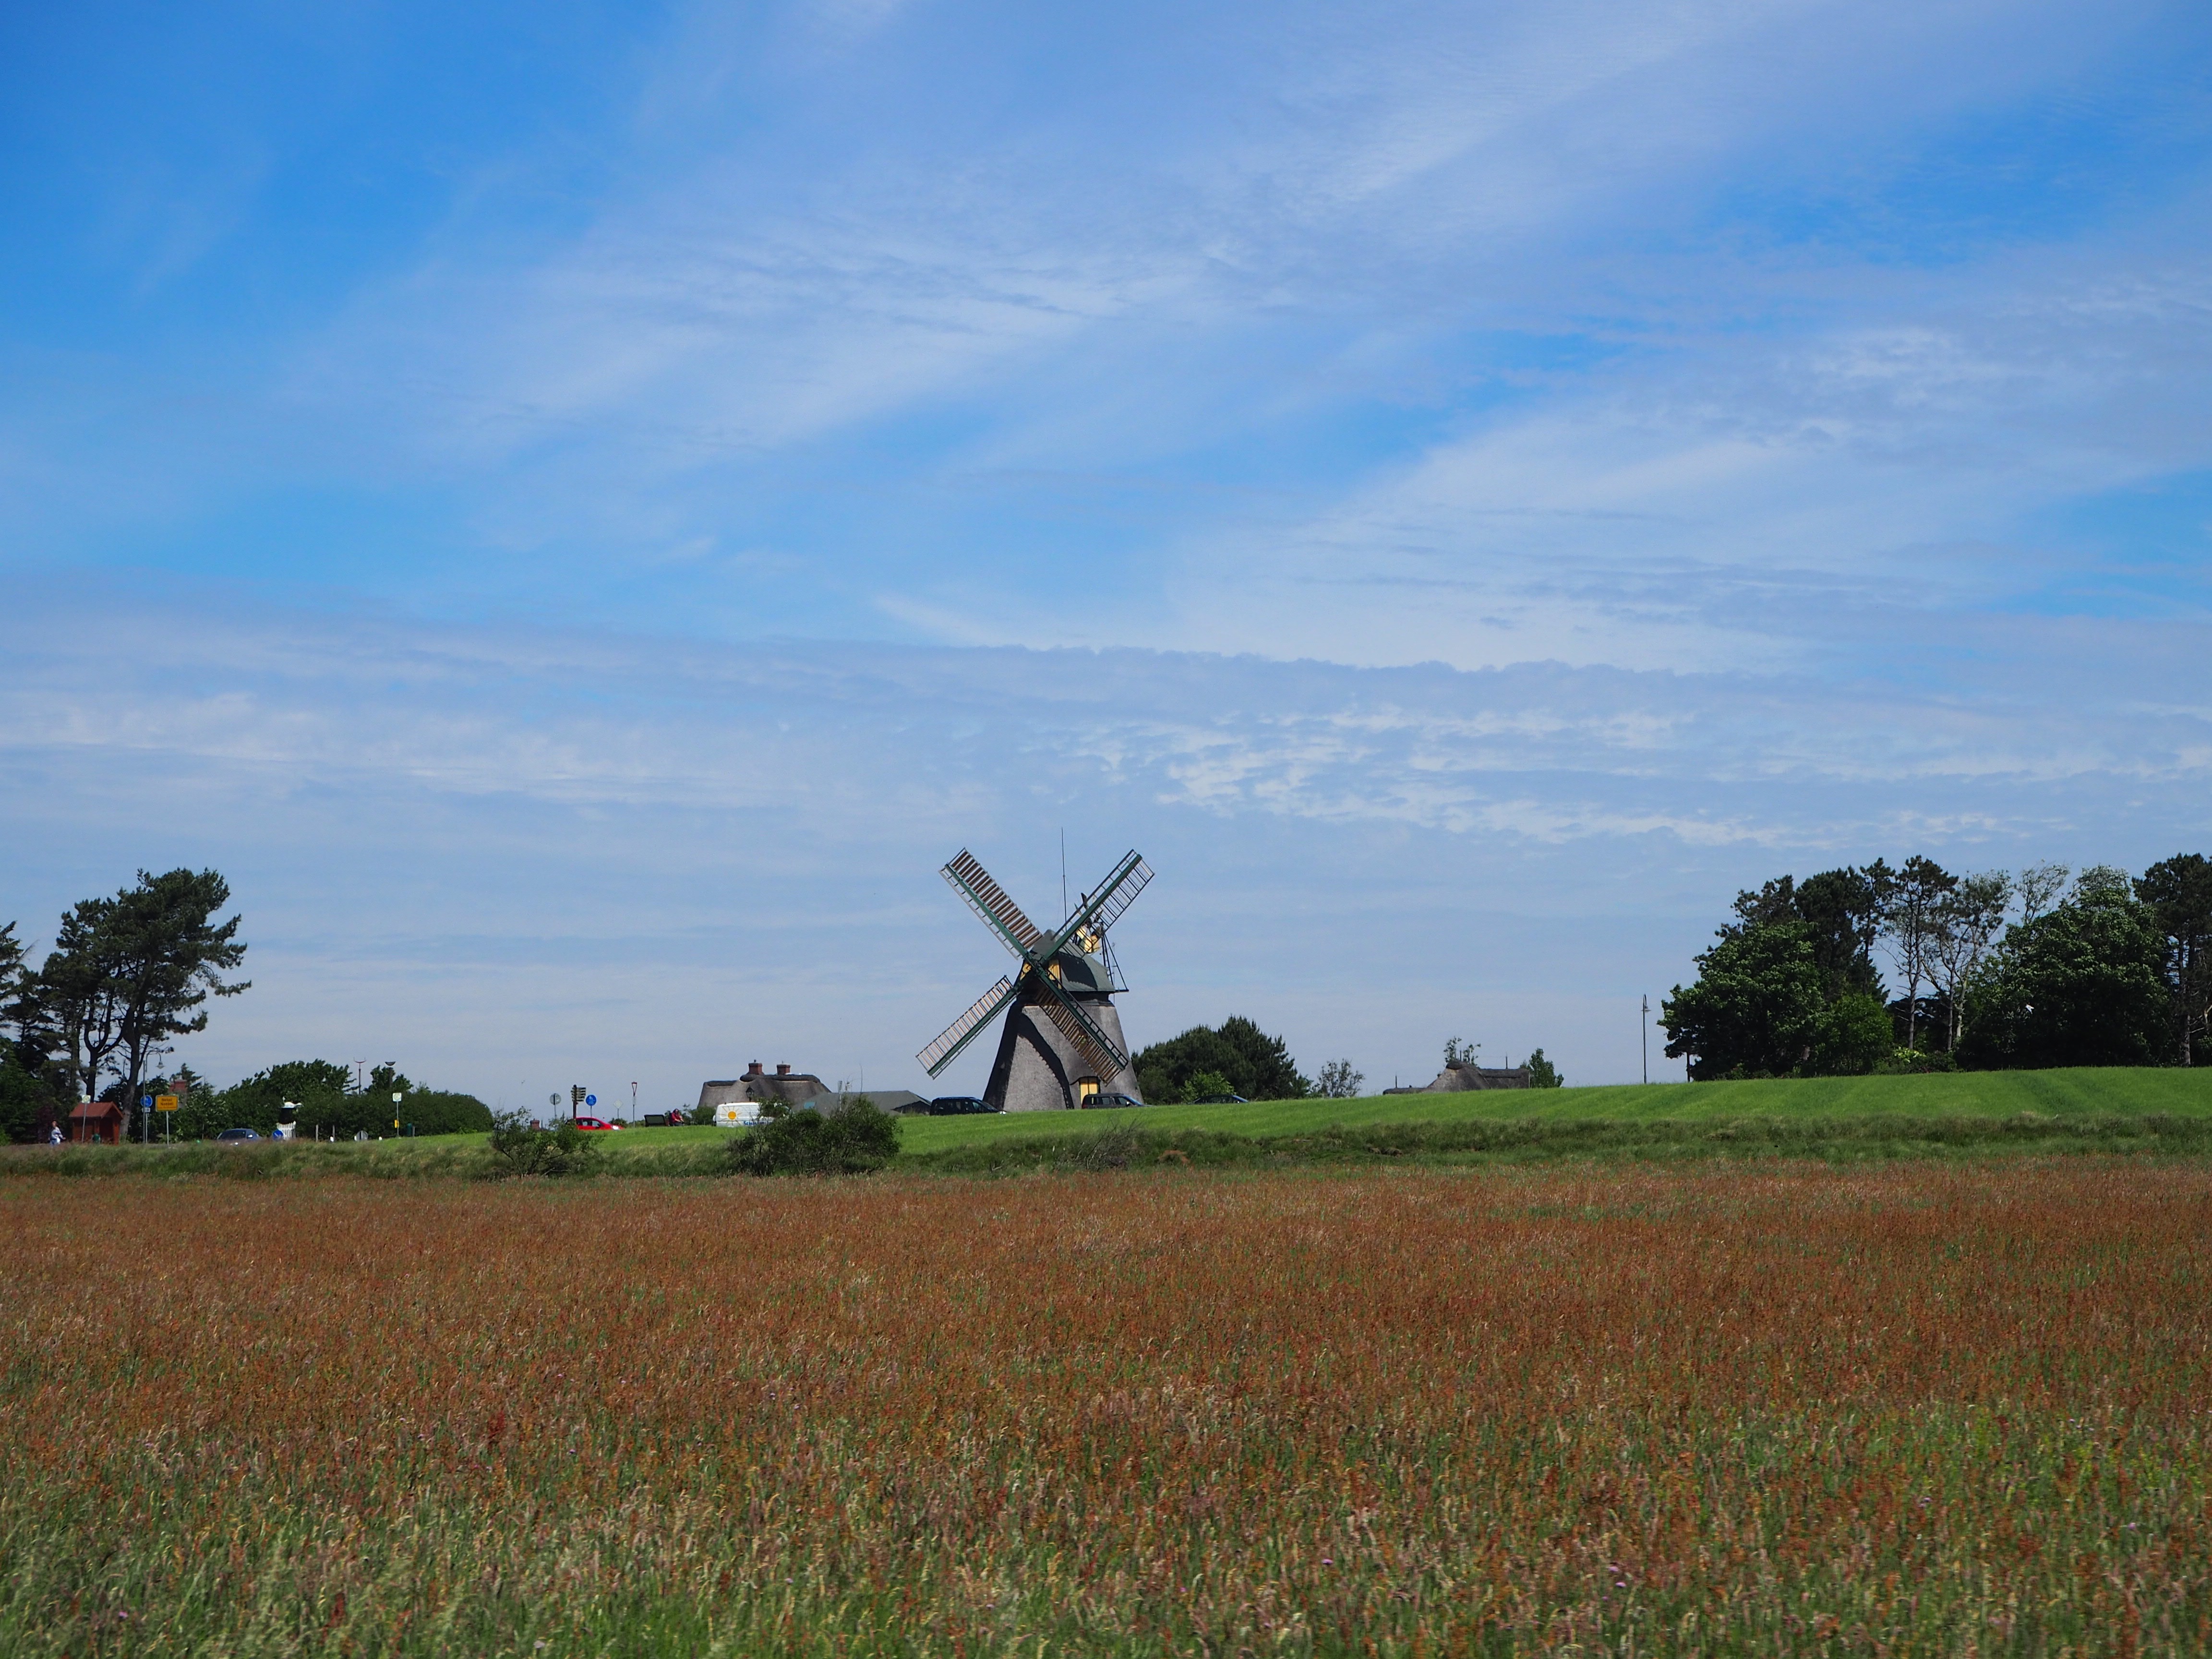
(2083, 1093)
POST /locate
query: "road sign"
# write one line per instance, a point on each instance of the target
(591, 1100)
(165, 1102)
(145, 1100)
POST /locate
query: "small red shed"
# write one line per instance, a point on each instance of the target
(97, 1120)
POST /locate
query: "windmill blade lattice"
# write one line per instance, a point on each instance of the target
(1093, 1044)
(988, 900)
(1115, 894)
(958, 1035)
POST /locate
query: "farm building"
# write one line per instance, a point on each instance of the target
(758, 1086)
(1455, 1079)
(96, 1120)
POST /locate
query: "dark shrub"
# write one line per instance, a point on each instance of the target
(850, 1140)
(518, 1149)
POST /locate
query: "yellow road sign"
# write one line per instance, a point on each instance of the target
(165, 1102)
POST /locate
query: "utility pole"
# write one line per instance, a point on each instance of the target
(1647, 1036)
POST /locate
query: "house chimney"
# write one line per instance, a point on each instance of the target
(783, 1071)
(754, 1070)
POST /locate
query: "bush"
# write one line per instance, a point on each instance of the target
(1904, 1062)
(517, 1149)
(850, 1140)
(1543, 1074)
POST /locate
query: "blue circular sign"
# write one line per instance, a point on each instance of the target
(591, 1100)
(146, 1102)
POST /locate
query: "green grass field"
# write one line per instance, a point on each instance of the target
(1825, 1116)
(2079, 1092)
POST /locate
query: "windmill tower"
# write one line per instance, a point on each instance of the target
(1062, 1041)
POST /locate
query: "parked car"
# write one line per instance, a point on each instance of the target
(960, 1106)
(1220, 1100)
(1099, 1102)
(239, 1134)
(595, 1123)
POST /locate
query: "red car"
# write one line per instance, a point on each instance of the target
(594, 1123)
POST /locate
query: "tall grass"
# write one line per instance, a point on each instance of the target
(1913, 1408)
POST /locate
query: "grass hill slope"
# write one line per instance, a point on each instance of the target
(2083, 1092)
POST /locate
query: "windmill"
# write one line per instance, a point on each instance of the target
(1062, 1041)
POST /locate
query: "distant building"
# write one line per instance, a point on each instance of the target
(758, 1086)
(96, 1120)
(1456, 1080)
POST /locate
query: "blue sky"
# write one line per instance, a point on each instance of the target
(578, 510)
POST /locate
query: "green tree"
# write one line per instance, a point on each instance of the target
(1543, 1074)
(1339, 1081)
(1207, 1085)
(1841, 911)
(129, 974)
(168, 954)
(79, 998)
(1755, 1006)
(1967, 923)
(2179, 891)
(329, 1106)
(1912, 917)
(1851, 1036)
(2082, 984)
(1258, 1067)
(318, 1087)
(29, 1098)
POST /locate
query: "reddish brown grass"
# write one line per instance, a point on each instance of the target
(1919, 1409)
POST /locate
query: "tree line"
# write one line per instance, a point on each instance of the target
(96, 1018)
(333, 1105)
(126, 975)
(1236, 1057)
(1989, 970)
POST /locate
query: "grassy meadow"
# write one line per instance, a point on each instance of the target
(2109, 1110)
(1915, 1408)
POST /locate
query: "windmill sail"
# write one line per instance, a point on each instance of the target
(1116, 894)
(988, 900)
(1095, 1047)
(958, 1035)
